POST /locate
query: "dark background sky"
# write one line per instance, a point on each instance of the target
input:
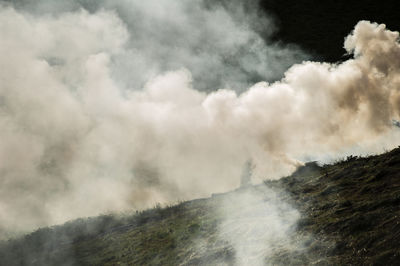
(319, 26)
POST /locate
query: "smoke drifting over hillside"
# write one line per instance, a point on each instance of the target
(256, 223)
(107, 112)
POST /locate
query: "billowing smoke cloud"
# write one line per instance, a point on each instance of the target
(89, 125)
(201, 36)
(91, 121)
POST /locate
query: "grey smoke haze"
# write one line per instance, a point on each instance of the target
(96, 117)
(257, 223)
(202, 37)
(91, 118)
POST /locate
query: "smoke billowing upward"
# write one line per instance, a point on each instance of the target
(163, 36)
(106, 111)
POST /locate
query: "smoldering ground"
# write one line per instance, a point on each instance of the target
(97, 114)
(80, 104)
(257, 222)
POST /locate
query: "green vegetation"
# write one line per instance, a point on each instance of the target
(351, 209)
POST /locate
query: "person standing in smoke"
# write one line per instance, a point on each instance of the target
(245, 179)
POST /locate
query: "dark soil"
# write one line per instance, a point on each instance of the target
(351, 208)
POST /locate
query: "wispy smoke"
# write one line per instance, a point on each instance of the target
(90, 120)
(257, 223)
(218, 44)
(89, 125)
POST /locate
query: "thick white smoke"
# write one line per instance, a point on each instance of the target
(90, 120)
(199, 35)
(76, 141)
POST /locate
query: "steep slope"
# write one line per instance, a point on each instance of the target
(349, 213)
(355, 205)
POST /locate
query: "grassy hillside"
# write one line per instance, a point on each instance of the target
(349, 214)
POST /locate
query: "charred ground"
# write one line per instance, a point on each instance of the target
(350, 208)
